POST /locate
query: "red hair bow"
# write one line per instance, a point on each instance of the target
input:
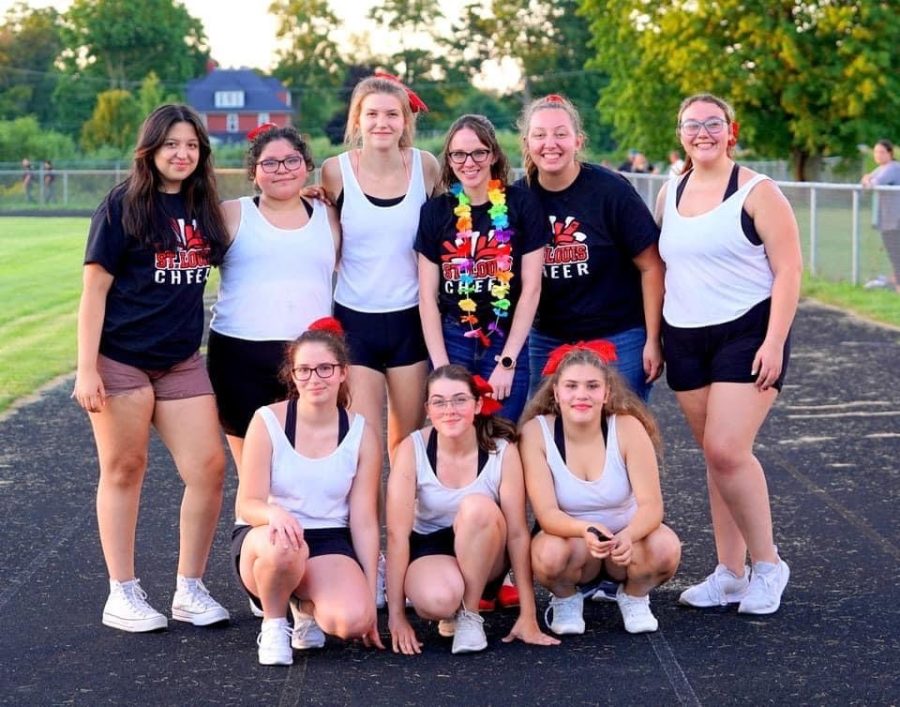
(489, 406)
(605, 351)
(735, 131)
(329, 324)
(554, 98)
(416, 104)
(260, 129)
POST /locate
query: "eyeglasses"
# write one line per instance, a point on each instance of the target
(460, 157)
(713, 126)
(323, 370)
(456, 402)
(291, 164)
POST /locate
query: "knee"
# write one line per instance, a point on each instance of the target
(353, 621)
(281, 560)
(477, 513)
(663, 554)
(549, 559)
(440, 601)
(125, 469)
(209, 471)
(724, 456)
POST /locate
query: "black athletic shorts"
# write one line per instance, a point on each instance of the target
(382, 340)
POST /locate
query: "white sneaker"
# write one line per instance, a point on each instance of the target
(193, 604)
(568, 614)
(380, 598)
(274, 642)
(447, 627)
(127, 608)
(767, 583)
(306, 633)
(468, 636)
(255, 610)
(721, 588)
(636, 612)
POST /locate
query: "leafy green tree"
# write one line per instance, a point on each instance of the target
(115, 121)
(30, 42)
(24, 137)
(807, 78)
(126, 40)
(310, 66)
(550, 42)
(151, 94)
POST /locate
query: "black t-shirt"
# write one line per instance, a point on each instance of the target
(154, 309)
(591, 288)
(436, 240)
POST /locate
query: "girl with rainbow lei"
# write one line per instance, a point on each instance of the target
(480, 246)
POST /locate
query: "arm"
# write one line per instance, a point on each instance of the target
(89, 391)
(231, 213)
(330, 174)
(518, 543)
(532, 270)
(777, 227)
(401, 505)
(335, 223)
(364, 517)
(541, 492)
(643, 474)
(429, 282)
(660, 204)
(431, 171)
(652, 272)
(254, 480)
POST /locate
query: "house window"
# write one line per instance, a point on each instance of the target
(262, 118)
(231, 122)
(229, 99)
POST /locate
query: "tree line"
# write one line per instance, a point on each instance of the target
(809, 78)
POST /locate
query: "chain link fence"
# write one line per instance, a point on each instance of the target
(837, 221)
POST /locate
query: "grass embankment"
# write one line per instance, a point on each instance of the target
(40, 282)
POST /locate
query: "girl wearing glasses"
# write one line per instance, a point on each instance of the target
(140, 321)
(589, 450)
(275, 278)
(379, 186)
(480, 246)
(602, 276)
(456, 518)
(306, 534)
(732, 252)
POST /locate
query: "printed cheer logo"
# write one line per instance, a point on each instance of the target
(188, 264)
(567, 256)
(484, 255)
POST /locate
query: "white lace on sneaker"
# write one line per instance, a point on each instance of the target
(767, 583)
(636, 612)
(568, 614)
(193, 604)
(468, 636)
(306, 633)
(127, 608)
(720, 588)
(274, 643)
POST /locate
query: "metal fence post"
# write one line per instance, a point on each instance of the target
(813, 231)
(854, 239)
(66, 187)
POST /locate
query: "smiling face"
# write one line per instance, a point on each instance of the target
(381, 120)
(473, 175)
(177, 158)
(705, 147)
(284, 183)
(317, 374)
(451, 406)
(881, 154)
(553, 142)
(581, 390)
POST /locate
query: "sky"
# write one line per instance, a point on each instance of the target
(246, 37)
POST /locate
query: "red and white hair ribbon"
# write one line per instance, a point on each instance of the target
(603, 349)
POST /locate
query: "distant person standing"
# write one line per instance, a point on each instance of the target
(28, 180)
(887, 173)
(676, 164)
(49, 179)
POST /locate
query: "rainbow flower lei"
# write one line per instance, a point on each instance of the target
(465, 247)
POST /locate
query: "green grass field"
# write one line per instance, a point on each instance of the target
(40, 282)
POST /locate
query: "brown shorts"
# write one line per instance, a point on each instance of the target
(187, 379)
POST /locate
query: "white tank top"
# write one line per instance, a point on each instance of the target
(275, 281)
(378, 271)
(436, 504)
(315, 491)
(608, 499)
(714, 274)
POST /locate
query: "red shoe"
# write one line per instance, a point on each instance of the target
(487, 605)
(508, 596)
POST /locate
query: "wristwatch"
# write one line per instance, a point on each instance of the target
(507, 362)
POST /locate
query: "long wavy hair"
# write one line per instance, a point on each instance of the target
(488, 428)
(620, 399)
(142, 215)
(375, 84)
(487, 136)
(335, 343)
(706, 98)
(552, 102)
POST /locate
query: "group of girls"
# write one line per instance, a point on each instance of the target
(442, 266)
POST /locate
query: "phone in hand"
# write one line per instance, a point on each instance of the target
(600, 535)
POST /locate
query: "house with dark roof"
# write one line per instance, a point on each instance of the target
(234, 101)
